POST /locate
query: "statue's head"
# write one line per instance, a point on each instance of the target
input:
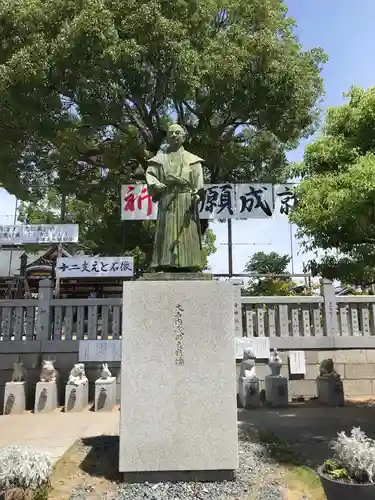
(176, 135)
(48, 366)
(248, 353)
(79, 368)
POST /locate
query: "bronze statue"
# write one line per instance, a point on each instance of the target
(175, 179)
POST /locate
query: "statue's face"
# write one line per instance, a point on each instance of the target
(176, 135)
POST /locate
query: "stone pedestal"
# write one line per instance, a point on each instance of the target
(14, 398)
(276, 391)
(76, 397)
(248, 392)
(46, 399)
(105, 394)
(178, 383)
(330, 391)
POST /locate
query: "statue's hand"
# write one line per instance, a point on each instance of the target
(160, 186)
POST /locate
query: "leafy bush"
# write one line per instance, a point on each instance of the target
(354, 458)
(22, 467)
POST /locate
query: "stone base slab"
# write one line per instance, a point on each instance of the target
(179, 476)
(76, 397)
(330, 391)
(14, 398)
(46, 397)
(248, 392)
(276, 391)
(105, 394)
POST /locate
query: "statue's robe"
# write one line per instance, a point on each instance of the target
(177, 239)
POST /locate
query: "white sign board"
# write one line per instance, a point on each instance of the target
(297, 362)
(87, 266)
(101, 351)
(259, 345)
(38, 233)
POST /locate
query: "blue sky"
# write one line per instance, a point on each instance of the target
(345, 30)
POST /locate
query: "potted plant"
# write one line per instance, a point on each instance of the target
(350, 474)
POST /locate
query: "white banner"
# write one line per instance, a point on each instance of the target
(285, 198)
(254, 201)
(222, 201)
(88, 266)
(137, 204)
(38, 233)
(219, 202)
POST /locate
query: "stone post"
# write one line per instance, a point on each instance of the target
(44, 318)
(330, 324)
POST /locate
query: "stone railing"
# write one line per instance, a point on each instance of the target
(313, 320)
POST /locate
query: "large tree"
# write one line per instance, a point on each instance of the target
(87, 86)
(336, 208)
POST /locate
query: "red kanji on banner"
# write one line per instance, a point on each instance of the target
(133, 200)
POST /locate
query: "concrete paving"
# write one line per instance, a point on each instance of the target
(308, 428)
(56, 432)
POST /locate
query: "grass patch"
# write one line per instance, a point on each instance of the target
(281, 451)
(299, 480)
(302, 482)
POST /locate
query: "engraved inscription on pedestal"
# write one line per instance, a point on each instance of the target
(179, 330)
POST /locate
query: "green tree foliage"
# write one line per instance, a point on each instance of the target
(87, 86)
(271, 263)
(336, 210)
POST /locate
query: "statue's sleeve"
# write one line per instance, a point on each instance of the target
(153, 178)
(198, 180)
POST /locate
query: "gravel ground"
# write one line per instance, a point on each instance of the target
(253, 463)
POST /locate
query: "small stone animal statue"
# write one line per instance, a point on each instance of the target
(19, 372)
(49, 372)
(326, 369)
(105, 372)
(247, 369)
(77, 375)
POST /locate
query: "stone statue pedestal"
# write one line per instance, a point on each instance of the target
(105, 394)
(14, 398)
(76, 397)
(330, 391)
(178, 418)
(248, 392)
(46, 397)
(276, 391)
